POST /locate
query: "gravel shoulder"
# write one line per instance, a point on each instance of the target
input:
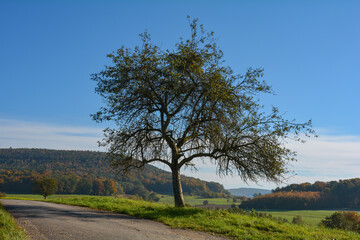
(49, 221)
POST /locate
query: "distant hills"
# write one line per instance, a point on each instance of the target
(87, 172)
(248, 192)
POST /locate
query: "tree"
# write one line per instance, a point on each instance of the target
(343, 220)
(98, 187)
(84, 186)
(46, 186)
(298, 220)
(110, 187)
(175, 106)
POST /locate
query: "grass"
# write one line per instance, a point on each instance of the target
(8, 228)
(220, 222)
(37, 196)
(311, 217)
(194, 200)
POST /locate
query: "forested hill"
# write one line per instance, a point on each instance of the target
(320, 195)
(77, 170)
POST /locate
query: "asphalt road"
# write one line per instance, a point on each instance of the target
(43, 220)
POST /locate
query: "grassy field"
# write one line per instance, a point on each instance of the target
(194, 200)
(311, 217)
(220, 222)
(8, 228)
(37, 196)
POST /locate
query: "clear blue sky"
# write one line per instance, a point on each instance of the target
(310, 51)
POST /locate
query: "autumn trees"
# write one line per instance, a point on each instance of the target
(76, 172)
(178, 105)
(342, 194)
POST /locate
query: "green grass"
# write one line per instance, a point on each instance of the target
(194, 200)
(8, 228)
(311, 217)
(37, 196)
(220, 222)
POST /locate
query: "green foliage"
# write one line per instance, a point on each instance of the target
(234, 225)
(205, 202)
(8, 228)
(343, 220)
(2, 194)
(46, 186)
(298, 220)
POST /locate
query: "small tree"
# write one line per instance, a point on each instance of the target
(176, 106)
(110, 187)
(298, 220)
(46, 186)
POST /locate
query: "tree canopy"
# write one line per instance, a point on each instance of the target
(177, 105)
(46, 186)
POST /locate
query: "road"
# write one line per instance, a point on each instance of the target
(49, 221)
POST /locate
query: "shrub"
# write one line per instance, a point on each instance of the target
(298, 220)
(2, 194)
(206, 202)
(343, 220)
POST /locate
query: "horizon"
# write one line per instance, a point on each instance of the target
(258, 187)
(309, 50)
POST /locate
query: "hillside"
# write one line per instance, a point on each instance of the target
(248, 192)
(77, 170)
(342, 194)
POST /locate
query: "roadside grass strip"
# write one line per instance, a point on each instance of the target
(222, 222)
(8, 228)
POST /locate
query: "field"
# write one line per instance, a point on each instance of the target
(37, 196)
(311, 217)
(194, 200)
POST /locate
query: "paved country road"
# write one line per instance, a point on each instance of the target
(43, 220)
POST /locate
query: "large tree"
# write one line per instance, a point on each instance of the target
(175, 106)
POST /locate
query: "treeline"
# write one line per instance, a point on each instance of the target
(320, 195)
(23, 182)
(72, 169)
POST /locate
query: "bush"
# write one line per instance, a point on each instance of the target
(2, 194)
(298, 220)
(343, 220)
(206, 202)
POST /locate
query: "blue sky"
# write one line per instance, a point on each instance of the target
(309, 49)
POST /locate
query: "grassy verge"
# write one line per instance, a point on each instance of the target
(220, 222)
(8, 228)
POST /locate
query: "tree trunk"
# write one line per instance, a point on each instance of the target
(177, 189)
